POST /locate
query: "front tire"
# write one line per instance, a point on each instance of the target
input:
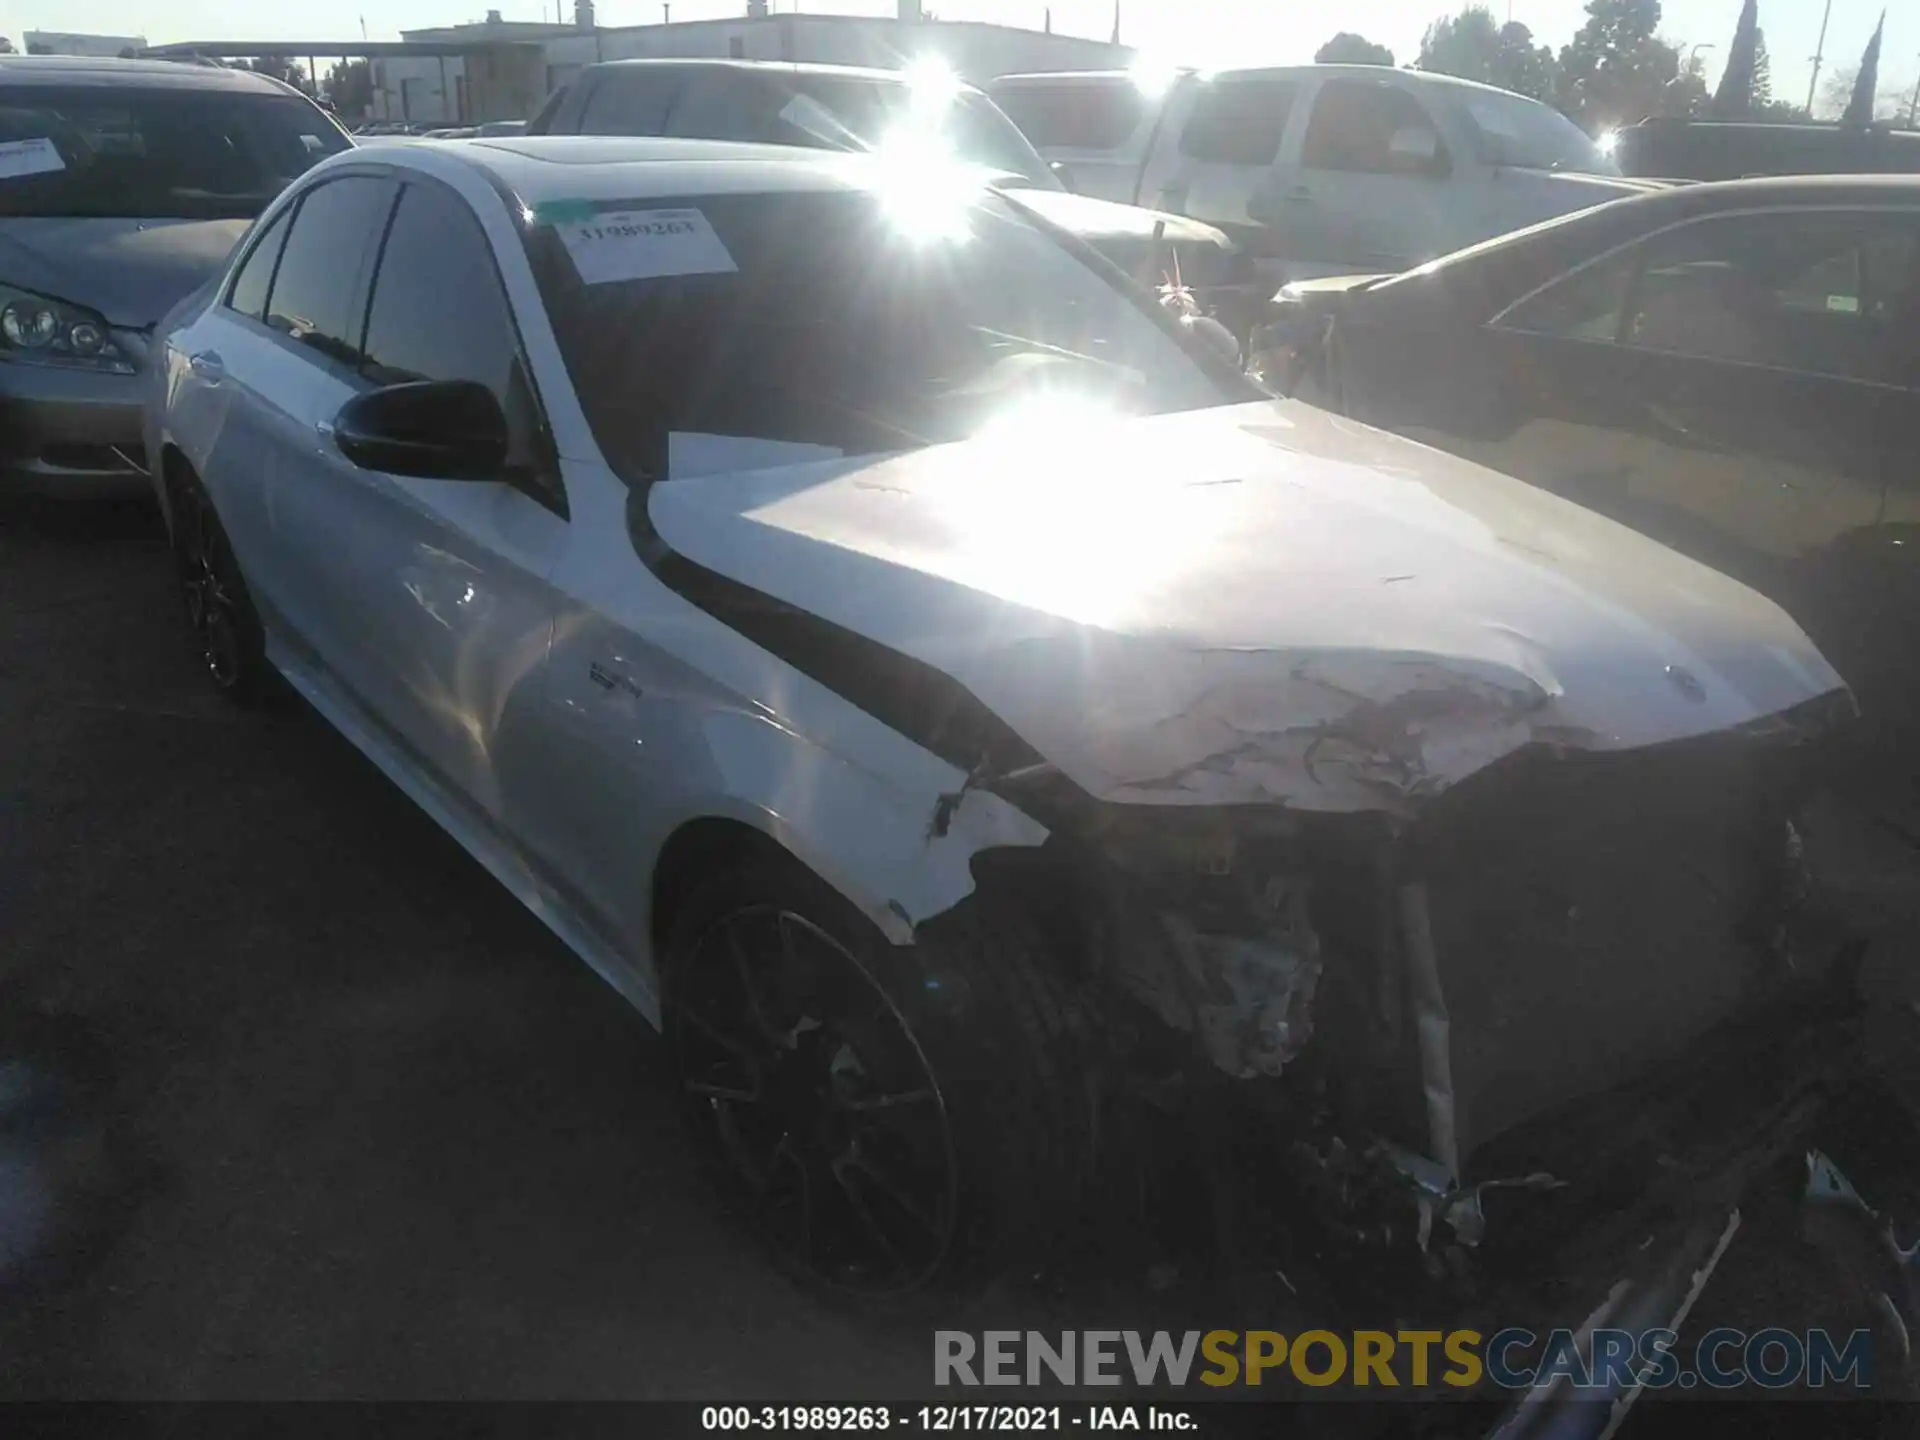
(220, 613)
(886, 1118)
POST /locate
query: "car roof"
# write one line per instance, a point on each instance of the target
(871, 73)
(1622, 221)
(67, 71)
(539, 169)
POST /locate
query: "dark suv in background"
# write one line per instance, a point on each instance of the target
(1680, 149)
(123, 186)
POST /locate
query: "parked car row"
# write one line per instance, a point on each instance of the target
(969, 715)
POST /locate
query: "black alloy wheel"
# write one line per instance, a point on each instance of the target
(226, 631)
(816, 1100)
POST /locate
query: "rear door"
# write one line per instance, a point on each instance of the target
(443, 581)
(282, 357)
(220, 412)
(1370, 187)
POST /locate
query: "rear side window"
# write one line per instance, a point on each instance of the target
(1238, 122)
(1076, 115)
(249, 293)
(1365, 126)
(1831, 292)
(313, 291)
(632, 102)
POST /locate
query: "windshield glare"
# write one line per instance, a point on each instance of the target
(861, 114)
(157, 154)
(1512, 130)
(841, 329)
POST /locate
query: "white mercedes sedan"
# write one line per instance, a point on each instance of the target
(961, 711)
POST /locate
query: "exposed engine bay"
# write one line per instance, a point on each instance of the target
(1559, 1020)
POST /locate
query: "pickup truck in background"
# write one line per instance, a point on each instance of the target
(1318, 169)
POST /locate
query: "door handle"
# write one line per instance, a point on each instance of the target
(1298, 195)
(208, 365)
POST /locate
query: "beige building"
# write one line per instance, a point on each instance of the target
(512, 66)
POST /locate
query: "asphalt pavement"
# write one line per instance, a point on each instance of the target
(341, 1118)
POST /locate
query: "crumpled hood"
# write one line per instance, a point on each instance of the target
(131, 271)
(1257, 603)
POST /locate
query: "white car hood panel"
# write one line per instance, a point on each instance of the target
(1257, 603)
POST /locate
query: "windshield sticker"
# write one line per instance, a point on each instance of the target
(559, 212)
(313, 143)
(29, 157)
(644, 245)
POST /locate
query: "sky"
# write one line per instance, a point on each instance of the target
(1179, 31)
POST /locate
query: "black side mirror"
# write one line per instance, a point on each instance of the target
(1062, 172)
(435, 429)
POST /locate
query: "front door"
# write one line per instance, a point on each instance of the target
(444, 581)
(1369, 189)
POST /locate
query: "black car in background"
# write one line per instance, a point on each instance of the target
(1733, 369)
(1688, 149)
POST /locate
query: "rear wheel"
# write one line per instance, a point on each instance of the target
(225, 627)
(885, 1117)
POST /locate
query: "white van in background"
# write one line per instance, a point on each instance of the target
(1318, 169)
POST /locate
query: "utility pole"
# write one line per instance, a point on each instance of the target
(1819, 54)
(1913, 105)
(666, 14)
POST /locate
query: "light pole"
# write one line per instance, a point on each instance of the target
(1913, 105)
(1819, 54)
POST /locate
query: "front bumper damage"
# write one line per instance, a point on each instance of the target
(1557, 1018)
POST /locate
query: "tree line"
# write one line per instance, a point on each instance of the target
(1618, 68)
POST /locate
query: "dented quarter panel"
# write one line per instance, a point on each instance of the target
(1256, 603)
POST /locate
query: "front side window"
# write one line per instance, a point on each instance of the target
(1590, 304)
(249, 293)
(313, 292)
(1512, 130)
(437, 311)
(829, 320)
(154, 154)
(1822, 292)
(1238, 122)
(1374, 128)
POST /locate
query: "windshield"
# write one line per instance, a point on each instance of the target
(153, 154)
(838, 321)
(1512, 130)
(864, 114)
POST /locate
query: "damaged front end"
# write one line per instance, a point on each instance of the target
(1486, 1009)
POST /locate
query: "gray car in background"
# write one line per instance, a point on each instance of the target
(123, 187)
